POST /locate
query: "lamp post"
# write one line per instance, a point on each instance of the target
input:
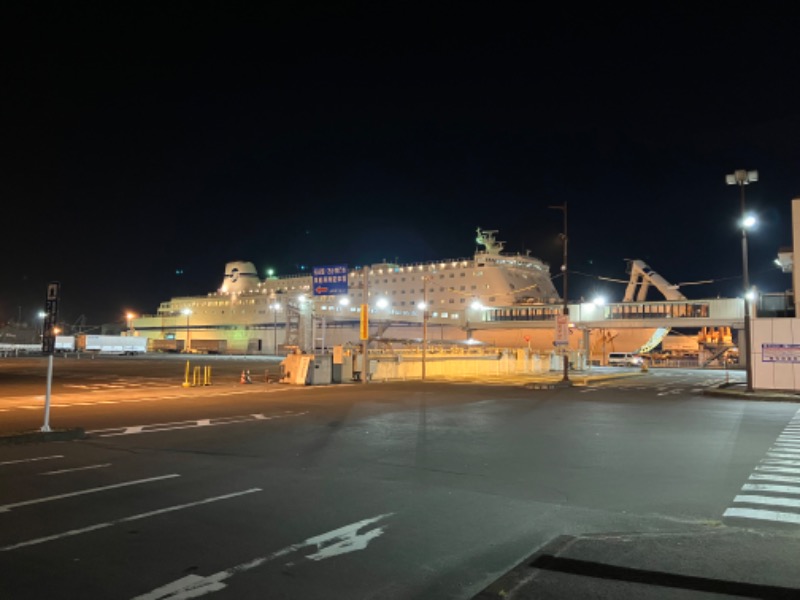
(188, 313)
(564, 238)
(424, 306)
(742, 177)
(275, 306)
(129, 317)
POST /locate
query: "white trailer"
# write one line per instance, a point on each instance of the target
(65, 343)
(112, 344)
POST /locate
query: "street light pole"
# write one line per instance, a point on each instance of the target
(275, 307)
(187, 312)
(424, 324)
(565, 239)
(742, 177)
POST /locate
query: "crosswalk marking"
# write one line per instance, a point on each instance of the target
(781, 465)
(763, 515)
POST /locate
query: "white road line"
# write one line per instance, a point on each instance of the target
(24, 460)
(778, 469)
(792, 449)
(153, 513)
(60, 471)
(333, 543)
(765, 487)
(8, 507)
(763, 515)
(156, 427)
(768, 500)
(781, 478)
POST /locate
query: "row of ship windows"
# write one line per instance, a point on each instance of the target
(456, 264)
(357, 284)
(243, 311)
(354, 295)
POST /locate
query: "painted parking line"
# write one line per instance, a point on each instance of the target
(8, 507)
(97, 526)
(24, 460)
(72, 470)
(156, 427)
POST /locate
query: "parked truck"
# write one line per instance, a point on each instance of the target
(209, 346)
(169, 345)
(111, 344)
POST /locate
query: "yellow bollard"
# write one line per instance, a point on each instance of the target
(186, 379)
(196, 376)
(207, 378)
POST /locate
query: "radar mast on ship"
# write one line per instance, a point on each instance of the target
(486, 239)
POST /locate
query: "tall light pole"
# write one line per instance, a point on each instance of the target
(565, 239)
(424, 307)
(742, 177)
(129, 316)
(275, 308)
(188, 313)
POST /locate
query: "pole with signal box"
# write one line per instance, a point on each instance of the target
(49, 341)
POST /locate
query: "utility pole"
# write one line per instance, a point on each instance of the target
(565, 310)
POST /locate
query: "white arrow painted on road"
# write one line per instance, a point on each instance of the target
(333, 543)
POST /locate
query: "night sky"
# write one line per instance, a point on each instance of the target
(144, 147)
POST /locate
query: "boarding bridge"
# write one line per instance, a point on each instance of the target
(634, 312)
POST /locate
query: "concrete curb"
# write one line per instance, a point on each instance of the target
(755, 396)
(32, 437)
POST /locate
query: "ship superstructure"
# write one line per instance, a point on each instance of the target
(256, 315)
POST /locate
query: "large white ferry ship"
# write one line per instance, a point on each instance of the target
(248, 314)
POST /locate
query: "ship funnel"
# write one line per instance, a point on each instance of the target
(240, 276)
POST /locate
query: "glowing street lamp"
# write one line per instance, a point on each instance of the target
(130, 316)
(188, 313)
(742, 178)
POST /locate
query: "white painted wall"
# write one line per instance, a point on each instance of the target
(775, 375)
(796, 253)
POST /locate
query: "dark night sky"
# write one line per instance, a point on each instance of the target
(140, 141)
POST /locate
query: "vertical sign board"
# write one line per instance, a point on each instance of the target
(562, 330)
(50, 317)
(364, 325)
(330, 280)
